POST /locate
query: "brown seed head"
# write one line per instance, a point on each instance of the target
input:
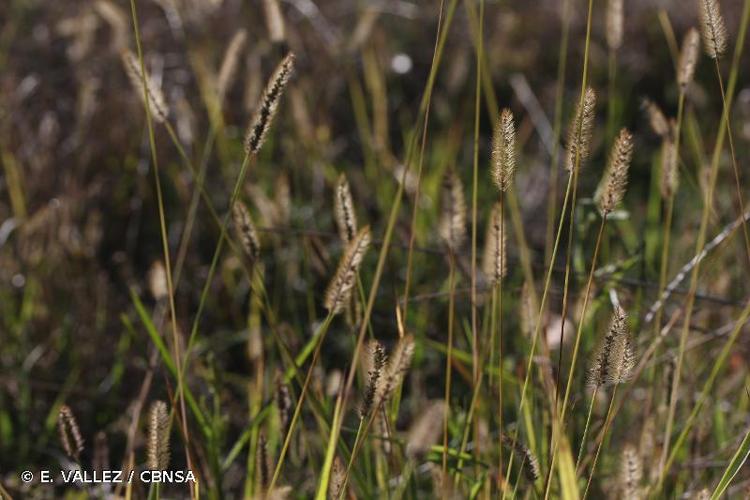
(614, 359)
(670, 178)
(158, 437)
(346, 217)
(614, 24)
(580, 132)
(494, 262)
(452, 225)
(145, 87)
(245, 228)
(631, 473)
(378, 359)
(70, 433)
(426, 430)
(269, 104)
(527, 457)
(688, 58)
(656, 118)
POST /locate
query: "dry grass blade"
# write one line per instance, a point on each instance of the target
(339, 290)
(269, 104)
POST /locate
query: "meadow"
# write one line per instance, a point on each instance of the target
(339, 249)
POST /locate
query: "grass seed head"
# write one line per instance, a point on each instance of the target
(525, 455)
(346, 217)
(452, 225)
(426, 430)
(670, 176)
(398, 364)
(631, 473)
(494, 261)
(245, 228)
(228, 68)
(612, 187)
(70, 433)
(504, 151)
(269, 104)
(153, 98)
(656, 118)
(688, 58)
(713, 29)
(158, 437)
(339, 290)
(614, 359)
(378, 359)
(581, 131)
(614, 24)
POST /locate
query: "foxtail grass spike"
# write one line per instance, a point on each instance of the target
(580, 132)
(614, 359)
(398, 364)
(631, 474)
(688, 58)
(615, 179)
(158, 437)
(228, 68)
(504, 151)
(339, 290)
(525, 455)
(70, 433)
(346, 217)
(670, 176)
(614, 24)
(245, 228)
(494, 261)
(452, 225)
(656, 118)
(378, 359)
(713, 29)
(269, 104)
(425, 431)
(156, 102)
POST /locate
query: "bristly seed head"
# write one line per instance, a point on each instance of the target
(269, 104)
(339, 290)
(614, 24)
(656, 118)
(612, 187)
(504, 151)
(688, 58)
(378, 359)
(283, 404)
(154, 98)
(631, 473)
(580, 132)
(228, 68)
(713, 29)
(494, 261)
(527, 457)
(452, 225)
(394, 372)
(70, 433)
(243, 225)
(614, 359)
(346, 217)
(426, 430)
(670, 177)
(158, 437)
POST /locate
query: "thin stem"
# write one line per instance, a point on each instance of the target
(449, 357)
(586, 428)
(607, 421)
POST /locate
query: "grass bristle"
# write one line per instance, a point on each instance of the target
(713, 29)
(157, 104)
(631, 473)
(452, 224)
(343, 206)
(158, 437)
(688, 58)
(615, 179)
(504, 151)
(494, 261)
(69, 432)
(339, 290)
(581, 131)
(614, 359)
(269, 104)
(398, 364)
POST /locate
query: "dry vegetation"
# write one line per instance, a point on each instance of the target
(337, 249)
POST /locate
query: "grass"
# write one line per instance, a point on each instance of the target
(124, 284)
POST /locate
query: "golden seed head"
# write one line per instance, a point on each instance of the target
(504, 151)
(688, 58)
(346, 217)
(656, 118)
(452, 225)
(614, 24)
(228, 68)
(713, 29)
(269, 104)
(612, 187)
(158, 437)
(670, 177)
(145, 87)
(339, 290)
(631, 473)
(494, 261)
(580, 132)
